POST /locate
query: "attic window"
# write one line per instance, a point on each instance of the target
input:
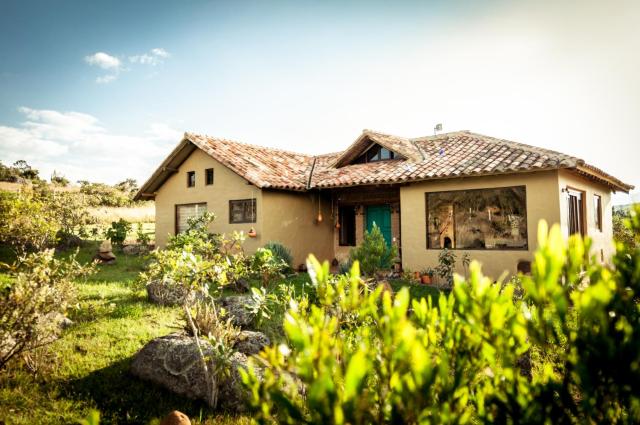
(375, 153)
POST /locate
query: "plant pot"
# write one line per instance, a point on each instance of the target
(425, 279)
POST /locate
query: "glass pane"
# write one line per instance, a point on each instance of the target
(185, 212)
(478, 219)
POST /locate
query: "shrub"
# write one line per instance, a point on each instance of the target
(621, 231)
(31, 305)
(266, 266)
(27, 223)
(100, 194)
(142, 237)
(118, 231)
(446, 265)
(373, 254)
(281, 253)
(358, 356)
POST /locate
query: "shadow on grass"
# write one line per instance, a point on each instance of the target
(123, 398)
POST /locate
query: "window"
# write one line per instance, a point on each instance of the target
(347, 217)
(242, 211)
(576, 212)
(191, 178)
(185, 212)
(597, 205)
(375, 153)
(208, 176)
(477, 219)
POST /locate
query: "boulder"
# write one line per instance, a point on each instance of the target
(175, 418)
(173, 362)
(105, 247)
(238, 309)
(251, 342)
(166, 292)
(131, 249)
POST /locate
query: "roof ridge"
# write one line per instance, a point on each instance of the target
(225, 140)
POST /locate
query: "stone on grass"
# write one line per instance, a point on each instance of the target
(175, 418)
(105, 253)
(238, 309)
(173, 362)
(166, 292)
(251, 342)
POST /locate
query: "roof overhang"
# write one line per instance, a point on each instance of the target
(600, 176)
(168, 167)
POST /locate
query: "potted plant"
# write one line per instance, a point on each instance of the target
(426, 275)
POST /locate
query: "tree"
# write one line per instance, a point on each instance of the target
(59, 180)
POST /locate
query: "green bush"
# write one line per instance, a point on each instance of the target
(373, 254)
(281, 253)
(568, 352)
(27, 223)
(118, 231)
(266, 266)
(31, 304)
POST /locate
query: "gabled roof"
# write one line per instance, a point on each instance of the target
(399, 145)
(449, 155)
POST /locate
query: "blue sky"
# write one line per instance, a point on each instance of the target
(104, 90)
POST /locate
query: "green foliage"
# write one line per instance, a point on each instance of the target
(118, 231)
(569, 351)
(446, 265)
(373, 254)
(281, 253)
(100, 194)
(58, 179)
(19, 172)
(27, 223)
(621, 231)
(32, 304)
(142, 237)
(266, 266)
(93, 418)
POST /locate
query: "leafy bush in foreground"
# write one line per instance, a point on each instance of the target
(280, 252)
(32, 304)
(569, 352)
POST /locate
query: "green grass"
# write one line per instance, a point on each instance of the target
(88, 367)
(416, 290)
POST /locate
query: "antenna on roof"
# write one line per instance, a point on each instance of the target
(437, 128)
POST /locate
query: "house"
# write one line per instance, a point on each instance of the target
(460, 190)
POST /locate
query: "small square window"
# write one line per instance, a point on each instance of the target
(191, 178)
(208, 176)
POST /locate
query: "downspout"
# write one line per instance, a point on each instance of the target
(313, 166)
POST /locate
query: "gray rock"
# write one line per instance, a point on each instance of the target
(238, 309)
(131, 249)
(251, 342)
(166, 292)
(173, 362)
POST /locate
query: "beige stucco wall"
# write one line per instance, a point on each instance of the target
(227, 186)
(290, 218)
(602, 246)
(543, 202)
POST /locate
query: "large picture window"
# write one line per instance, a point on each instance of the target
(187, 211)
(242, 211)
(477, 219)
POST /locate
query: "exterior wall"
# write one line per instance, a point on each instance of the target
(602, 247)
(290, 218)
(543, 202)
(227, 185)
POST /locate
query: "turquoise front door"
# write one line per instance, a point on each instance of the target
(381, 216)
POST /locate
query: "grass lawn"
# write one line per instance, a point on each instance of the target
(88, 367)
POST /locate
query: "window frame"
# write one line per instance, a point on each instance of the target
(363, 158)
(191, 178)
(255, 210)
(572, 191)
(206, 176)
(526, 220)
(175, 217)
(597, 209)
(341, 210)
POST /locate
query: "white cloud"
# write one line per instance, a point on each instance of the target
(103, 60)
(77, 145)
(153, 58)
(160, 52)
